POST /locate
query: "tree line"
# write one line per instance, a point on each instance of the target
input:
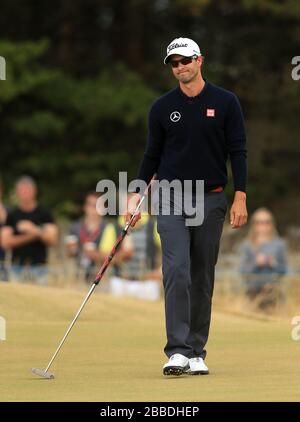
(82, 74)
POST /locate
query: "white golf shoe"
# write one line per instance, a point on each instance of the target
(197, 367)
(176, 365)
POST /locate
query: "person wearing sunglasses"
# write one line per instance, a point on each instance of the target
(193, 130)
(263, 257)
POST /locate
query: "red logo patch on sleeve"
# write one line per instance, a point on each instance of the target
(210, 112)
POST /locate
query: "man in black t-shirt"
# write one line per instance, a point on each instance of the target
(28, 230)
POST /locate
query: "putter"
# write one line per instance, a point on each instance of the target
(44, 373)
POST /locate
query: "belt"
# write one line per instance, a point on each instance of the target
(217, 189)
(208, 189)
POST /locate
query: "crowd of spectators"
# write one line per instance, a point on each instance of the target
(28, 229)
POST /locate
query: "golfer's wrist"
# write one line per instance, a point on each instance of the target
(134, 195)
(133, 191)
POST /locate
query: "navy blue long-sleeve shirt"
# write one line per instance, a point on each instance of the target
(191, 138)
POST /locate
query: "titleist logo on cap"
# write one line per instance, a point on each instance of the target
(176, 45)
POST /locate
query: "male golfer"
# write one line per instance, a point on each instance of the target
(192, 131)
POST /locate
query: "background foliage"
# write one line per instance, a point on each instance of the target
(82, 74)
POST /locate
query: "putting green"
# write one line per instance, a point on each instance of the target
(114, 352)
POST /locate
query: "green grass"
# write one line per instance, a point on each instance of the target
(114, 352)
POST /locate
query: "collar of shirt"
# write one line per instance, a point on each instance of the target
(198, 97)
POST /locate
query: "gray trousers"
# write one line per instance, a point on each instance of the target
(189, 257)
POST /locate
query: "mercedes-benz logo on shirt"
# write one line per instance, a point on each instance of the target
(175, 116)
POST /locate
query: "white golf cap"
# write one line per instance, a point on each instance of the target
(183, 46)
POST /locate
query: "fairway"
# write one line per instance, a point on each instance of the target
(114, 352)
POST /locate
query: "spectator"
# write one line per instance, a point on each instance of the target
(28, 231)
(263, 258)
(3, 215)
(92, 237)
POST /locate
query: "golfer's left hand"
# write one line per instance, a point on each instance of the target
(238, 211)
(132, 202)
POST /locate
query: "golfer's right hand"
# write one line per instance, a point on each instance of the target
(132, 202)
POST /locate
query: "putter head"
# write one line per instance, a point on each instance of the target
(42, 373)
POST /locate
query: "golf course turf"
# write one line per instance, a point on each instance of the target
(115, 352)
